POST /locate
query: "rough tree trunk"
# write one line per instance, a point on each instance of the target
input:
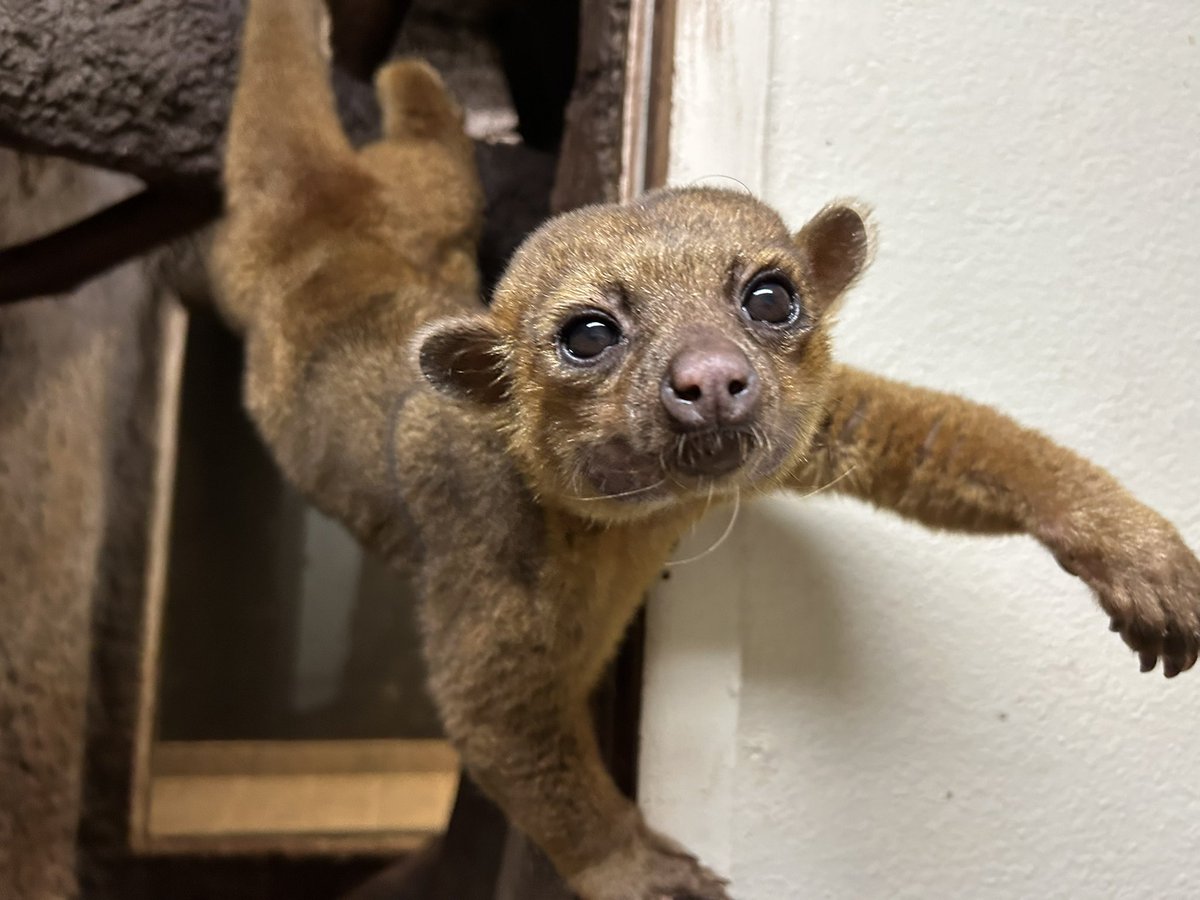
(138, 86)
(66, 371)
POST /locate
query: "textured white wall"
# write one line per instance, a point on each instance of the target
(843, 705)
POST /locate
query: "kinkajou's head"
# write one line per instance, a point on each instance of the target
(640, 354)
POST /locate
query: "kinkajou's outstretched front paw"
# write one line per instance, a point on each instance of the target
(650, 867)
(1145, 577)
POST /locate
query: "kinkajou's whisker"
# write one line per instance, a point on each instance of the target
(629, 493)
(737, 505)
(736, 181)
(828, 484)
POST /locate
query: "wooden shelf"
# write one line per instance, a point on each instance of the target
(298, 796)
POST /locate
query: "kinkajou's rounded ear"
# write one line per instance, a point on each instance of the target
(464, 357)
(838, 244)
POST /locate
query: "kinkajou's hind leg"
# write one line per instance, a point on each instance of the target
(415, 103)
(284, 120)
(289, 161)
(329, 258)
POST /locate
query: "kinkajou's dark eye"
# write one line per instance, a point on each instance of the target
(585, 337)
(771, 299)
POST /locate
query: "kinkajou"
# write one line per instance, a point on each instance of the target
(531, 465)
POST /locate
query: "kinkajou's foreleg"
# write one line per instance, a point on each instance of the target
(512, 666)
(950, 463)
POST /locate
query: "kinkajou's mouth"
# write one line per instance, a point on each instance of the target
(712, 453)
(616, 470)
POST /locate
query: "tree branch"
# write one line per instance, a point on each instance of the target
(144, 86)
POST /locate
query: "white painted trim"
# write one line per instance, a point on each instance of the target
(719, 107)
(720, 96)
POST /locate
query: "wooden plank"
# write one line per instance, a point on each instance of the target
(646, 110)
(174, 333)
(297, 796)
(302, 757)
(225, 806)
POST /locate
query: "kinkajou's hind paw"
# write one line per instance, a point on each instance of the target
(650, 867)
(1145, 578)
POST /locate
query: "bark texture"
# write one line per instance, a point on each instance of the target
(138, 86)
(78, 392)
(590, 158)
(66, 371)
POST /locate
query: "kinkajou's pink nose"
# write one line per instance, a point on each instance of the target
(710, 384)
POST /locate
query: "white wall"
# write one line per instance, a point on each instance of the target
(840, 704)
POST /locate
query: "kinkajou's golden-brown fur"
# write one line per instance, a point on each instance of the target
(636, 360)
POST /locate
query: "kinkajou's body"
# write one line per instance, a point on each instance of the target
(637, 364)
